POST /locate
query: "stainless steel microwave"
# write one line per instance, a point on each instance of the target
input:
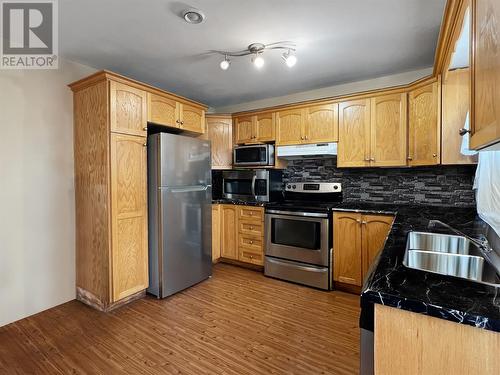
(253, 185)
(253, 156)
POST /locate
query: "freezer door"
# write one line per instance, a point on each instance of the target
(186, 245)
(185, 161)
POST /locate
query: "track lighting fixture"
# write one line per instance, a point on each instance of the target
(224, 64)
(289, 58)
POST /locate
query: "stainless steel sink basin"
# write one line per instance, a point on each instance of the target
(448, 255)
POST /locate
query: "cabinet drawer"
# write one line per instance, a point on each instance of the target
(251, 227)
(247, 212)
(253, 243)
(250, 256)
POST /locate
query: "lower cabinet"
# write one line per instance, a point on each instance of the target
(242, 233)
(357, 240)
(216, 232)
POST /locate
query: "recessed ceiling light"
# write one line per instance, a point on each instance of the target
(193, 16)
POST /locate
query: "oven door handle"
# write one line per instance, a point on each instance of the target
(254, 179)
(299, 214)
(295, 265)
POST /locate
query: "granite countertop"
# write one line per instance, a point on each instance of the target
(237, 202)
(392, 284)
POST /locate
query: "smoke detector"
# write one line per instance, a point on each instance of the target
(193, 16)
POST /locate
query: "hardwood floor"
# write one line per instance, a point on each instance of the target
(238, 322)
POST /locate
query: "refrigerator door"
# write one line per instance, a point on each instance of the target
(185, 161)
(186, 230)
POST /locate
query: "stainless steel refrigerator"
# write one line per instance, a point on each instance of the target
(180, 213)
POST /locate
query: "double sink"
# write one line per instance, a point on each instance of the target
(453, 255)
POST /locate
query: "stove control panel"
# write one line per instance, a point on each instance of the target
(314, 187)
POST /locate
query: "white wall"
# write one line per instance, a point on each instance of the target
(37, 215)
(342, 89)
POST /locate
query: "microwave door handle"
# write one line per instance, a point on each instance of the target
(254, 178)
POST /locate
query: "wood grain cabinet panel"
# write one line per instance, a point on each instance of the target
(163, 110)
(129, 215)
(216, 232)
(388, 130)
(322, 123)
(424, 126)
(354, 133)
(251, 227)
(229, 248)
(128, 109)
(252, 213)
(455, 106)
(290, 126)
(485, 73)
(245, 129)
(347, 248)
(192, 118)
(220, 133)
(357, 241)
(265, 127)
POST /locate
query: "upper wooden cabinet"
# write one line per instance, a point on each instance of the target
(128, 109)
(255, 129)
(424, 125)
(163, 110)
(388, 130)
(220, 132)
(290, 126)
(129, 215)
(354, 133)
(357, 241)
(485, 73)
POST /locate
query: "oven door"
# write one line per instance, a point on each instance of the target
(298, 236)
(246, 185)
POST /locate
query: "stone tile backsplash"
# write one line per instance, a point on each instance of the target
(438, 186)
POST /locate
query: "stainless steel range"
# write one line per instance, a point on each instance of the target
(298, 234)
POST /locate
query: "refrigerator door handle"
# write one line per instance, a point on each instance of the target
(254, 178)
(188, 189)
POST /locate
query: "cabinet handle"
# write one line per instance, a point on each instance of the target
(251, 242)
(463, 131)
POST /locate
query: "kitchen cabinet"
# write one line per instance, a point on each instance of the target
(255, 129)
(110, 192)
(242, 233)
(128, 109)
(220, 132)
(129, 231)
(357, 240)
(372, 132)
(424, 125)
(485, 109)
(229, 223)
(167, 111)
(216, 232)
(388, 130)
(313, 124)
(354, 133)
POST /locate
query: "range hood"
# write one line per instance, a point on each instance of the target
(312, 151)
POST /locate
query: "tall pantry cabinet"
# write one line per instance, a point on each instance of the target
(110, 130)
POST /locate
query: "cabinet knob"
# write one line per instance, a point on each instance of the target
(367, 159)
(145, 128)
(306, 137)
(302, 138)
(182, 122)
(251, 213)
(358, 221)
(251, 228)
(364, 222)
(463, 131)
(251, 256)
(372, 159)
(145, 144)
(178, 121)
(434, 155)
(409, 158)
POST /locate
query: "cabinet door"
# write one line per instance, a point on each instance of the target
(245, 130)
(485, 73)
(128, 109)
(220, 133)
(290, 126)
(375, 229)
(163, 110)
(265, 127)
(216, 232)
(455, 107)
(229, 232)
(424, 126)
(322, 123)
(129, 252)
(354, 134)
(192, 119)
(347, 248)
(388, 131)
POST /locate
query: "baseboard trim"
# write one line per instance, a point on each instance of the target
(93, 301)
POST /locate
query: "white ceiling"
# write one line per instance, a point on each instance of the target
(338, 41)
